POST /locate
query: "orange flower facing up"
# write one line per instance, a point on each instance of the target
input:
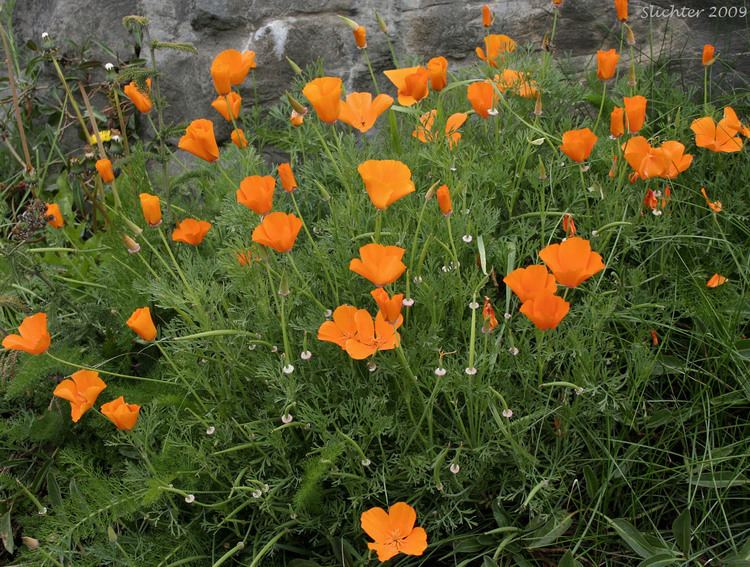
(572, 262)
(33, 336)
(495, 47)
(386, 181)
(81, 390)
(238, 138)
(715, 206)
(516, 81)
(716, 280)
(139, 99)
(529, 282)
(545, 311)
(635, 112)
(709, 55)
(141, 323)
(288, 181)
(411, 82)
(341, 328)
(606, 64)
(191, 231)
(721, 137)
(278, 231)
(678, 160)
(578, 144)
(355, 332)
(482, 97)
(230, 67)
(380, 264)
(54, 217)
(390, 307)
(256, 193)
(360, 111)
(621, 7)
(122, 414)
(646, 161)
(444, 200)
(393, 531)
(200, 141)
(569, 225)
(324, 94)
(229, 111)
(151, 208)
(437, 67)
(423, 132)
(617, 122)
(104, 167)
(487, 16)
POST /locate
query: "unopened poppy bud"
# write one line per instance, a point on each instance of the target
(538, 105)
(381, 23)
(632, 82)
(629, 35)
(132, 227)
(30, 542)
(104, 167)
(431, 191)
(284, 286)
(296, 68)
(297, 106)
(132, 246)
(349, 22)
(111, 534)
(546, 44)
(542, 170)
(444, 200)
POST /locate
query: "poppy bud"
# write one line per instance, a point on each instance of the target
(132, 246)
(444, 200)
(487, 16)
(283, 286)
(296, 68)
(132, 227)
(431, 191)
(621, 7)
(288, 181)
(629, 35)
(542, 170)
(381, 23)
(538, 105)
(632, 82)
(709, 52)
(104, 167)
(30, 542)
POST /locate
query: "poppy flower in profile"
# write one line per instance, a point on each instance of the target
(360, 111)
(324, 94)
(200, 141)
(288, 181)
(606, 64)
(454, 122)
(721, 137)
(256, 193)
(709, 55)
(386, 181)
(545, 311)
(495, 47)
(248, 63)
(635, 112)
(81, 390)
(141, 323)
(487, 16)
(238, 138)
(678, 160)
(278, 231)
(412, 84)
(229, 111)
(423, 132)
(482, 97)
(139, 99)
(122, 414)
(621, 7)
(380, 264)
(578, 144)
(33, 336)
(230, 67)
(437, 67)
(716, 280)
(715, 206)
(444, 200)
(617, 122)
(104, 167)
(488, 316)
(569, 225)
(360, 37)
(650, 200)
(151, 208)
(296, 119)
(390, 307)
(341, 328)
(517, 82)
(54, 216)
(572, 262)
(530, 281)
(646, 161)
(393, 531)
(191, 231)
(246, 257)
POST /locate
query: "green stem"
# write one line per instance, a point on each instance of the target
(601, 105)
(378, 225)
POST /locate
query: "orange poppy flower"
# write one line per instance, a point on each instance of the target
(678, 160)
(411, 82)
(617, 122)
(635, 112)
(482, 97)
(296, 119)
(488, 315)
(606, 64)
(54, 217)
(324, 94)
(360, 36)
(437, 67)
(288, 181)
(380, 264)
(569, 225)
(716, 280)
(715, 206)
(516, 81)
(139, 99)
(360, 111)
(390, 307)
(709, 55)
(256, 193)
(33, 336)
(423, 132)
(278, 231)
(230, 67)
(545, 311)
(122, 414)
(355, 332)
(386, 181)
(531, 281)
(238, 138)
(151, 207)
(444, 200)
(646, 161)
(191, 231)
(650, 199)
(393, 531)
(104, 167)
(248, 63)
(495, 46)
(199, 140)
(621, 6)
(141, 323)
(245, 258)
(572, 262)
(721, 137)
(229, 111)
(81, 390)
(341, 328)
(578, 144)
(454, 122)
(487, 16)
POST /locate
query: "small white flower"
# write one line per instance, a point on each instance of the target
(507, 412)
(440, 371)
(293, 516)
(190, 498)
(467, 211)
(45, 35)
(513, 350)
(594, 233)
(579, 391)
(471, 371)
(657, 193)
(251, 346)
(453, 168)
(203, 361)
(287, 418)
(467, 238)
(564, 239)
(585, 168)
(257, 493)
(288, 369)
(328, 313)
(305, 355)
(274, 348)
(117, 138)
(492, 112)
(407, 302)
(42, 511)
(445, 268)
(473, 305)
(266, 488)
(454, 468)
(657, 212)
(365, 462)
(210, 430)
(109, 66)
(417, 280)
(507, 316)
(371, 366)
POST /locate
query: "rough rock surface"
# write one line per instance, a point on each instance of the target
(307, 30)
